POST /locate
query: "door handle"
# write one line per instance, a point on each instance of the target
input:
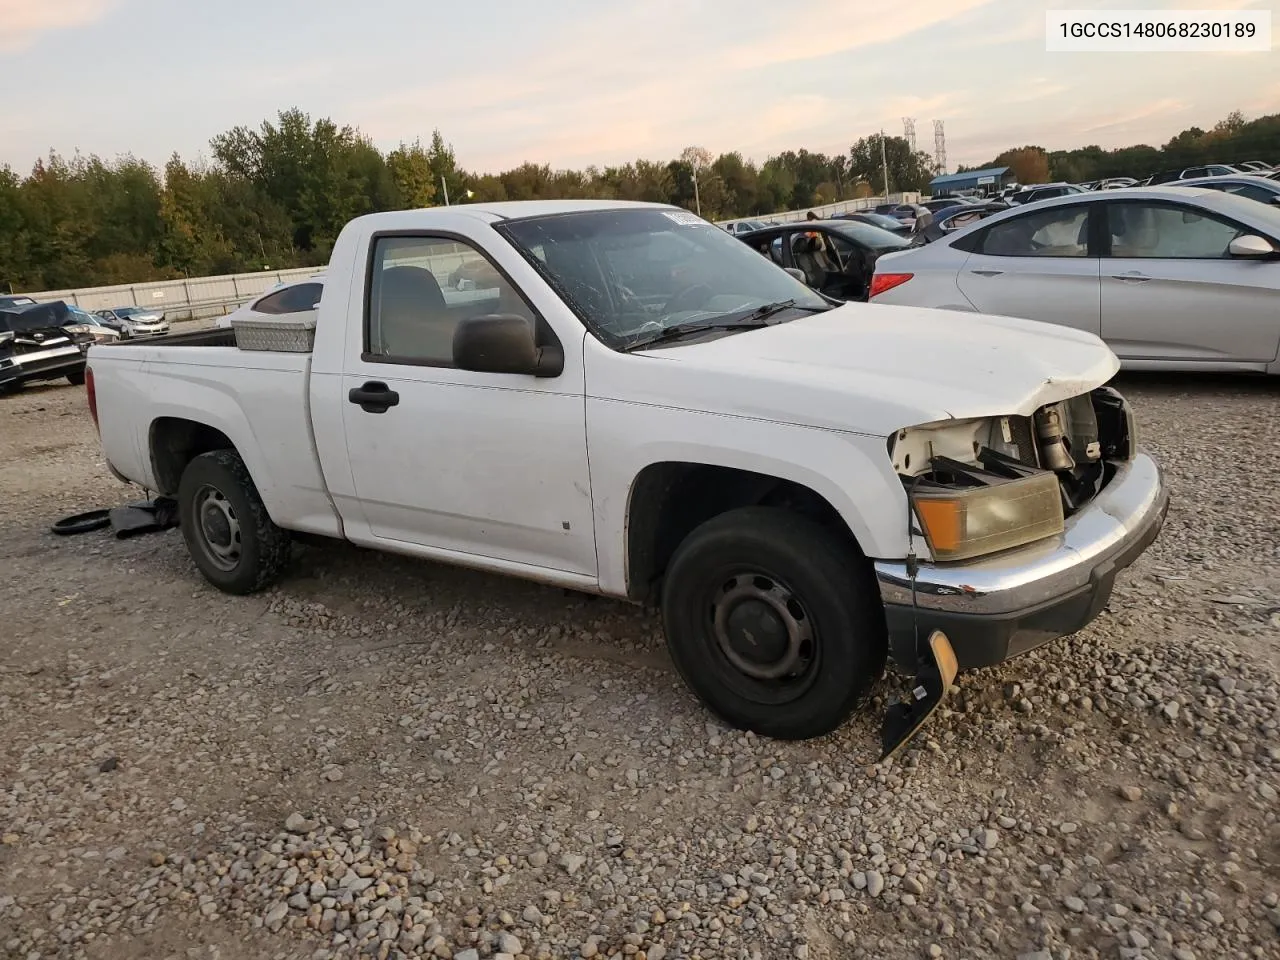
(1130, 277)
(374, 397)
(987, 273)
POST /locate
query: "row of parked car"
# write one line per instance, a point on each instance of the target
(48, 341)
(1182, 276)
(839, 259)
(1143, 267)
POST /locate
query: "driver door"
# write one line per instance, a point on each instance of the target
(481, 464)
(847, 281)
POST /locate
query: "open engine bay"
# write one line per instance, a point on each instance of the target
(979, 486)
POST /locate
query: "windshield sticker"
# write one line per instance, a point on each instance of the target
(686, 219)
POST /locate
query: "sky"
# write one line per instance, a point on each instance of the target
(577, 82)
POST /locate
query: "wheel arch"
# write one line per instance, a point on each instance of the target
(668, 499)
(174, 442)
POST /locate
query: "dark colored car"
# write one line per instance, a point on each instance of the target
(955, 218)
(837, 257)
(881, 220)
(937, 204)
(34, 345)
(1045, 191)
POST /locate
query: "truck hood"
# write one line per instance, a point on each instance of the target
(870, 368)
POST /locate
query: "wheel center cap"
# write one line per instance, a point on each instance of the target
(756, 632)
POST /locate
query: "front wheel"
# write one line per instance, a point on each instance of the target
(76, 379)
(229, 534)
(774, 622)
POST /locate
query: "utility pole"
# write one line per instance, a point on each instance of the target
(884, 163)
(445, 187)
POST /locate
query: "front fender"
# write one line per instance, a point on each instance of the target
(852, 472)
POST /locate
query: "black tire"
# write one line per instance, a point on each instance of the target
(244, 551)
(819, 590)
(76, 379)
(82, 523)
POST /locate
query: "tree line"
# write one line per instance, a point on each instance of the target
(277, 195)
(1231, 140)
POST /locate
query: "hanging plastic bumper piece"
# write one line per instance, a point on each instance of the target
(937, 672)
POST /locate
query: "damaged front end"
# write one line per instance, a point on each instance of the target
(979, 487)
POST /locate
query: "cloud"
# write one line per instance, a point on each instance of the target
(795, 39)
(23, 21)
(1129, 118)
(651, 93)
(1219, 5)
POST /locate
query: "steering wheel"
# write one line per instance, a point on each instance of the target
(690, 298)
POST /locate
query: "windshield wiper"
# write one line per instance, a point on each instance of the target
(752, 319)
(681, 330)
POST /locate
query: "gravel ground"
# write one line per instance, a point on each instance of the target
(389, 758)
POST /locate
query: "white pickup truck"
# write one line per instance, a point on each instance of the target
(624, 399)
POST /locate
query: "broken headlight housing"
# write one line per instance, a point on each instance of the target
(980, 486)
(968, 512)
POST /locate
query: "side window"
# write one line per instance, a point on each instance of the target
(1060, 232)
(421, 288)
(298, 299)
(1253, 192)
(1151, 231)
(1192, 172)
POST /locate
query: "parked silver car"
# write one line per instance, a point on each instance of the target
(1171, 278)
(132, 321)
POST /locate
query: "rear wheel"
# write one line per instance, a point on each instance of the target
(774, 623)
(228, 532)
(76, 379)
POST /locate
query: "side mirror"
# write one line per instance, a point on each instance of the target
(1251, 247)
(504, 343)
(798, 274)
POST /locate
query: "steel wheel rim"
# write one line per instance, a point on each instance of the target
(218, 528)
(780, 663)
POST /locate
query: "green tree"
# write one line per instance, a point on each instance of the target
(410, 168)
(1029, 164)
(908, 171)
(444, 167)
(278, 194)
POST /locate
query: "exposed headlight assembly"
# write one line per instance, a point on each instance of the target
(964, 522)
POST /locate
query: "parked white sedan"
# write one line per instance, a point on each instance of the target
(298, 299)
(1171, 278)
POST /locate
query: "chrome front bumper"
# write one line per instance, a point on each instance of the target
(999, 607)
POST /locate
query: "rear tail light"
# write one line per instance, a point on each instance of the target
(93, 397)
(881, 282)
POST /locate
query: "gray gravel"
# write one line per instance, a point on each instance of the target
(393, 759)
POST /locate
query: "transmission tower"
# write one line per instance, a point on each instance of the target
(939, 147)
(909, 131)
